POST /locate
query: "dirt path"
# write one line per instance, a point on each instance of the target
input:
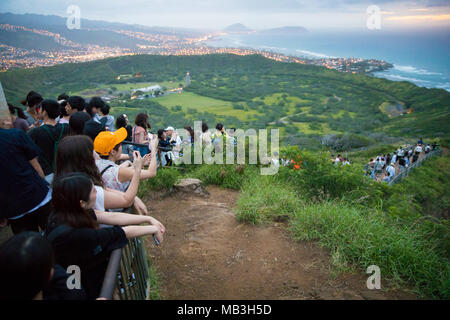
(207, 254)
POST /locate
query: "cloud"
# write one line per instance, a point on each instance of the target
(428, 17)
(219, 13)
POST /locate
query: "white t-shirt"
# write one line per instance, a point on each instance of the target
(111, 176)
(206, 138)
(394, 159)
(378, 165)
(100, 199)
(391, 171)
(177, 147)
(276, 162)
(418, 149)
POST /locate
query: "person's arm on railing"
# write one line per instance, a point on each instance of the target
(125, 219)
(139, 231)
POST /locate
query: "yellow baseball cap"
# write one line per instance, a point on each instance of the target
(107, 140)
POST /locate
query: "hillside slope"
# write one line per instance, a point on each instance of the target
(321, 99)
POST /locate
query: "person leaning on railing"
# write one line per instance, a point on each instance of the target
(76, 154)
(75, 235)
(109, 147)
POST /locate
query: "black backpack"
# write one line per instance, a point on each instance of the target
(55, 145)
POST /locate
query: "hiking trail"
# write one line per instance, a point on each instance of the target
(208, 254)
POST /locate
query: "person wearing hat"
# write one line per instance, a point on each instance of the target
(108, 145)
(174, 140)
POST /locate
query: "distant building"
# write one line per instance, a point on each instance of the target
(188, 79)
(148, 89)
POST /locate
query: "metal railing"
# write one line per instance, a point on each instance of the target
(404, 173)
(127, 276)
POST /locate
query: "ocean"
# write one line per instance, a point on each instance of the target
(421, 57)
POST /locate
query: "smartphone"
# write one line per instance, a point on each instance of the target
(156, 240)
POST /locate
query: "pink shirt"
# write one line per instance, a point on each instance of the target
(136, 134)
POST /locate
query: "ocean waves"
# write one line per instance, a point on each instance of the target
(411, 69)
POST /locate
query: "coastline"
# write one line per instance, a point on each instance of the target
(405, 71)
(350, 65)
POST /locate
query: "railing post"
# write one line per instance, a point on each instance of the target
(109, 282)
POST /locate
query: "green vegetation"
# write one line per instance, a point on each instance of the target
(362, 222)
(264, 198)
(305, 101)
(191, 101)
(226, 176)
(364, 237)
(154, 282)
(164, 180)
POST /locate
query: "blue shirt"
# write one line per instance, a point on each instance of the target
(29, 119)
(21, 187)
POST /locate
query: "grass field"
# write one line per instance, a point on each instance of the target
(204, 104)
(278, 97)
(342, 112)
(304, 127)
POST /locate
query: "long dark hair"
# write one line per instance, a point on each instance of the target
(16, 111)
(142, 121)
(121, 122)
(33, 98)
(68, 191)
(75, 154)
(191, 132)
(204, 127)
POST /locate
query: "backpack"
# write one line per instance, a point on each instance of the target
(55, 145)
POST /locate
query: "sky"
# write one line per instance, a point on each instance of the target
(256, 14)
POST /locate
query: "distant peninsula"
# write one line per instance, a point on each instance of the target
(237, 28)
(241, 28)
(285, 30)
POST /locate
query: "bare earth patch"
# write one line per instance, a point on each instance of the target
(207, 254)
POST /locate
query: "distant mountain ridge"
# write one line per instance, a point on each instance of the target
(285, 30)
(25, 31)
(237, 28)
(241, 28)
(31, 20)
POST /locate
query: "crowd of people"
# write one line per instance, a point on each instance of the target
(385, 167)
(339, 160)
(68, 181)
(72, 170)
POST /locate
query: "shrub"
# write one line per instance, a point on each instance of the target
(319, 178)
(262, 199)
(346, 141)
(226, 176)
(164, 180)
(366, 237)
